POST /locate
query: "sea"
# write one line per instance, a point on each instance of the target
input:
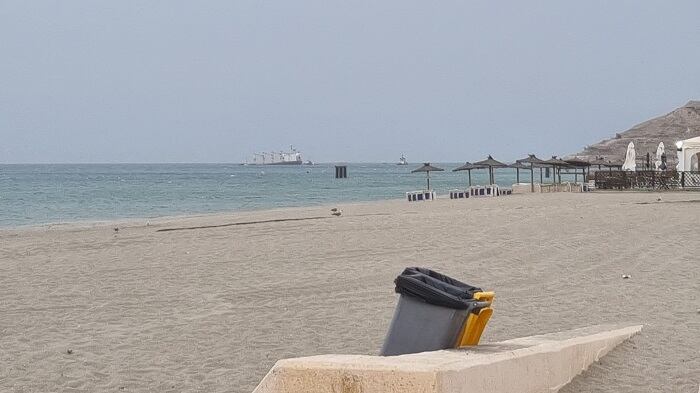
(64, 193)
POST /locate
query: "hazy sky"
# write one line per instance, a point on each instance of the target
(214, 81)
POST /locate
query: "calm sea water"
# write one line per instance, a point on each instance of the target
(38, 194)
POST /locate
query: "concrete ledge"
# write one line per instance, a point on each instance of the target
(542, 363)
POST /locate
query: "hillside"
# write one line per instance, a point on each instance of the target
(682, 123)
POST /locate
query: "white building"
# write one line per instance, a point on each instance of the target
(688, 154)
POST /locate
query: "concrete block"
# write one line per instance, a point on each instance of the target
(542, 363)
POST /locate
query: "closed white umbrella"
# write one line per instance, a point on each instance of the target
(630, 159)
(659, 152)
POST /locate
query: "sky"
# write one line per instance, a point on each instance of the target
(357, 81)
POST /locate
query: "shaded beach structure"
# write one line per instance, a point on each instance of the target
(601, 162)
(491, 164)
(477, 191)
(518, 166)
(532, 162)
(468, 166)
(577, 164)
(427, 194)
(427, 168)
(557, 164)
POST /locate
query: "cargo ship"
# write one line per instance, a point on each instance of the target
(291, 157)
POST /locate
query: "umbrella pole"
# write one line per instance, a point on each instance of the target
(428, 173)
(517, 175)
(541, 178)
(532, 177)
(470, 177)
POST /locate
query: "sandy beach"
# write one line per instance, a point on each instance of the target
(211, 309)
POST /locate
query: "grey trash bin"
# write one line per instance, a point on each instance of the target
(431, 311)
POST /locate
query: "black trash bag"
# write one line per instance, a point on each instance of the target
(435, 288)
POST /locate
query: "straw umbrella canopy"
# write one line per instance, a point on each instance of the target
(557, 164)
(579, 164)
(614, 164)
(490, 163)
(598, 161)
(468, 166)
(602, 161)
(533, 161)
(427, 168)
(518, 166)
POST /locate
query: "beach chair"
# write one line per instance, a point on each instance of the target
(415, 196)
(459, 194)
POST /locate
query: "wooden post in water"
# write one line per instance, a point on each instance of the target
(341, 172)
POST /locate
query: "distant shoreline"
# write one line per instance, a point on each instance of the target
(176, 218)
(41, 194)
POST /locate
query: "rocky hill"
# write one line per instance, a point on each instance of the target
(682, 123)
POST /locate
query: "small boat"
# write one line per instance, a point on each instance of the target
(402, 161)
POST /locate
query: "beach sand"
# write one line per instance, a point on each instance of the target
(212, 309)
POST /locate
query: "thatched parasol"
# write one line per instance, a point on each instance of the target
(427, 168)
(601, 161)
(578, 163)
(557, 164)
(490, 163)
(468, 166)
(518, 166)
(533, 161)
